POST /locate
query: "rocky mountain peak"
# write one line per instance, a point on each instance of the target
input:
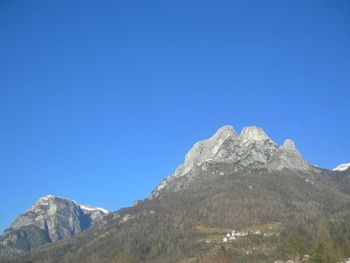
(44, 199)
(51, 218)
(207, 149)
(50, 211)
(253, 145)
(288, 157)
(289, 145)
(52, 199)
(47, 197)
(49, 200)
(253, 134)
(252, 149)
(225, 132)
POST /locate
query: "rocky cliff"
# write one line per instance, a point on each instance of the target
(50, 219)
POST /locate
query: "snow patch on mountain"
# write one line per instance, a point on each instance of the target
(342, 167)
(92, 208)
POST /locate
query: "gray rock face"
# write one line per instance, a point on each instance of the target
(251, 149)
(288, 157)
(210, 149)
(50, 219)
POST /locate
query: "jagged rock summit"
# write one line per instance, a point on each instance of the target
(50, 219)
(208, 149)
(251, 149)
(253, 134)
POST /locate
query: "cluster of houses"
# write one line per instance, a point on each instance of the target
(305, 258)
(235, 234)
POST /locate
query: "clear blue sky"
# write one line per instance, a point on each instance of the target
(99, 100)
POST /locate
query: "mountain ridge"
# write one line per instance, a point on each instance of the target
(228, 180)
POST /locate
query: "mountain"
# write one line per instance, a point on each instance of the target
(50, 219)
(252, 149)
(281, 205)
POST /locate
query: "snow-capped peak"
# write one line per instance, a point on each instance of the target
(253, 134)
(92, 208)
(47, 197)
(52, 198)
(342, 167)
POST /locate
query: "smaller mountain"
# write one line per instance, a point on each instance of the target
(50, 219)
(342, 167)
